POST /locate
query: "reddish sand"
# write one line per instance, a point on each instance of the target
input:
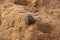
(13, 16)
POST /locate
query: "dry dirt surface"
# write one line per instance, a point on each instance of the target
(13, 20)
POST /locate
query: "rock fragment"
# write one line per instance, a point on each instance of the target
(30, 20)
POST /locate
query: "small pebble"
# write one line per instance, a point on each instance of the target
(30, 20)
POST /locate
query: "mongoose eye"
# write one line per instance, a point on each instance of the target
(30, 19)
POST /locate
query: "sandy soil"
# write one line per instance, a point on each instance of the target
(13, 16)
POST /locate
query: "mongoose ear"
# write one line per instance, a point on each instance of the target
(30, 20)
